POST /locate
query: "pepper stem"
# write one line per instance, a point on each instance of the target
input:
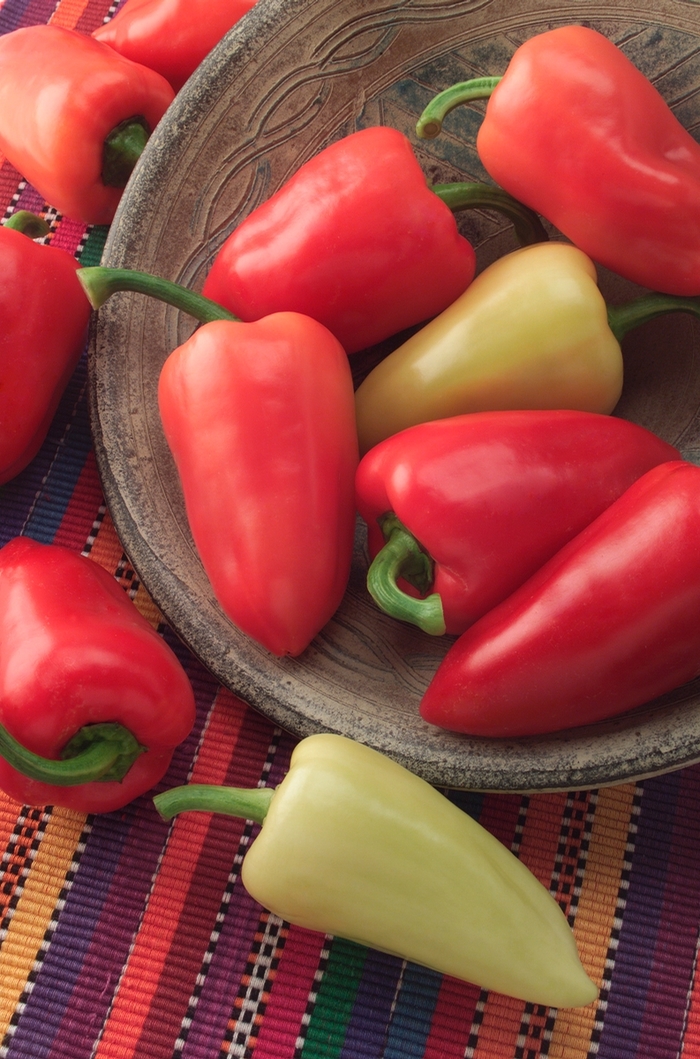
(100, 283)
(402, 556)
(121, 150)
(96, 752)
(208, 798)
(28, 224)
(465, 195)
(429, 124)
(624, 318)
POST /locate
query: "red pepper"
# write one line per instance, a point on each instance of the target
(44, 315)
(260, 419)
(170, 36)
(468, 508)
(84, 677)
(610, 622)
(356, 240)
(574, 130)
(75, 116)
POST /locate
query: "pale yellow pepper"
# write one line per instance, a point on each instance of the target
(353, 844)
(531, 331)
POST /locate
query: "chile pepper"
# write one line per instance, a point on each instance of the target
(259, 418)
(170, 36)
(610, 622)
(468, 508)
(532, 331)
(45, 316)
(92, 700)
(357, 240)
(75, 116)
(574, 130)
(353, 844)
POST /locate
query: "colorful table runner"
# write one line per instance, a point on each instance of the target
(123, 937)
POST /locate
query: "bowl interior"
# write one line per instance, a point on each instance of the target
(289, 79)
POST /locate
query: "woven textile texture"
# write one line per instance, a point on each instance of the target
(123, 937)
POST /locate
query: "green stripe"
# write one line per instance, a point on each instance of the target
(94, 245)
(335, 1000)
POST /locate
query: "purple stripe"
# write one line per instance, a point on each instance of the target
(634, 960)
(232, 951)
(71, 997)
(371, 1011)
(45, 487)
(16, 13)
(674, 957)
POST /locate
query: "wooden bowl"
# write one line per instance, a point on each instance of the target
(293, 76)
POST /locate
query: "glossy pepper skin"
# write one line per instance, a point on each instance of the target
(44, 316)
(531, 331)
(355, 845)
(574, 130)
(610, 622)
(61, 96)
(259, 418)
(170, 36)
(260, 421)
(75, 653)
(488, 498)
(355, 239)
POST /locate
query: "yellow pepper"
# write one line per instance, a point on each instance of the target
(532, 331)
(354, 844)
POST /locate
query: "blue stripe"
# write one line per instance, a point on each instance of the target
(415, 1004)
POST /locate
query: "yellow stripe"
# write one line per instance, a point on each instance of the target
(33, 913)
(596, 912)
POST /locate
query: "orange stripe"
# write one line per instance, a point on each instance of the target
(68, 13)
(595, 917)
(35, 907)
(174, 879)
(106, 549)
(502, 1017)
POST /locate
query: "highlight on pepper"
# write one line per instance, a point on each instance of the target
(576, 132)
(353, 844)
(532, 331)
(93, 701)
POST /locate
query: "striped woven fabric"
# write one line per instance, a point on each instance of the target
(124, 937)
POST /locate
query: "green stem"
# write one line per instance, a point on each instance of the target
(100, 283)
(624, 318)
(96, 752)
(207, 798)
(122, 149)
(28, 224)
(429, 124)
(402, 556)
(466, 195)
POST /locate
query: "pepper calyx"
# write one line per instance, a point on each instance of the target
(403, 557)
(28, 223)
(100, 283)
(429, 124)
(97, 752)
(468, 195)
(250, 804)
(121, 150)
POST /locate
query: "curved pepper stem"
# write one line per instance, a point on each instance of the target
(469, 196)
(208, 798)
(122, 149)
(624, 318)
(100, 283)
(402, 556)
(429, 124)
(28, 224)
(96, 752)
